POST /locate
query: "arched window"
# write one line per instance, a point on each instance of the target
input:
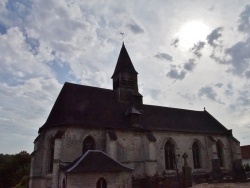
(88, 144)
(169, 151)
(51, 154)
(220, 153)
(196, 155)
(101, 183)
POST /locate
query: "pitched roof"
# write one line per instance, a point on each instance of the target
(95, 161)
(245, 152)
(124, 63)
(164, 118)
(93, 107)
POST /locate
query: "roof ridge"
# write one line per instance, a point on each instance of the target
(95, 87)
(95, 151)
(79, 160)
(115, 160)
(175, 108)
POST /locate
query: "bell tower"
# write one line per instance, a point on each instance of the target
(125, 80)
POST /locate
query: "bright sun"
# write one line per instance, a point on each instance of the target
(191, 33)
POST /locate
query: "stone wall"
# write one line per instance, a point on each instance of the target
(183, 143)
(73, 139)
(113, 180)
(133, 149)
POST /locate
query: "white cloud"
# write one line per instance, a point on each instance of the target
(24, 109)
(44, 43)
(15, 56)
(210, 93)
(164, 56)
(244, 20)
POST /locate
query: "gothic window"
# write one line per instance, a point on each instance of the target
(196, 155)
(51, 154)
(219, 147)
(169, 156)
(88, 144)
(101, 183)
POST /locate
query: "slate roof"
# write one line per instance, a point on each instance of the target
(95, 161)
(96, 107)
(245, 152)
(124, 63)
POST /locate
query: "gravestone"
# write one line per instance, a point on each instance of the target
(186, 173)
(217, 175)
(238, 170)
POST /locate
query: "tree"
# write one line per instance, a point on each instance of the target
(14, 169)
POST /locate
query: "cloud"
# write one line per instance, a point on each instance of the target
(175, 43)
(219, 85)
(244, 20)
(209, 93)
(135, 28)
(174, 73)
(213, 37)
(164, 56)
(196, 49)
(229, 91)
(244, 98)
(179, 72)
(190, 65)
(247, 74)
(239, 57)
(16, 56)
(3, 29)
(242, 102)
(24, 108)
(189, 96)
(153, 93)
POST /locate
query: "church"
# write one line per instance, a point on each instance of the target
(103, 138)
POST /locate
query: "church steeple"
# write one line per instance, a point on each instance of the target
(124, 63)
(125, 79)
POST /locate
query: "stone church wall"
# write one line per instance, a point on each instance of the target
(131, 148)
(183, 143)
(114, 180)
(73, 139)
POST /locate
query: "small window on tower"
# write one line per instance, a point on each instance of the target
(130, 84)
(127, 83)
(123, 83)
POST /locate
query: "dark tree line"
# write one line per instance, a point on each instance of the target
(14, 170)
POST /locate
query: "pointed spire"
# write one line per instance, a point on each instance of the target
(124, 63)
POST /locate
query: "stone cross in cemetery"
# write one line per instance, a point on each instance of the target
(185, 156)
(186, 173)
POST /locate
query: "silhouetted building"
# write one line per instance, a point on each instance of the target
(245, 152)
(97, 137)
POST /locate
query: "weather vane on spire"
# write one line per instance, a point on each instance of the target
(122, 33)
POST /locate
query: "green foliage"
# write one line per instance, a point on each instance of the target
(247, 167)
(23, 183)
(14, 170)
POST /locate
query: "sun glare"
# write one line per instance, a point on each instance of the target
(191, 33)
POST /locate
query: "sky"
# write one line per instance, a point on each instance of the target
(189, 54)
